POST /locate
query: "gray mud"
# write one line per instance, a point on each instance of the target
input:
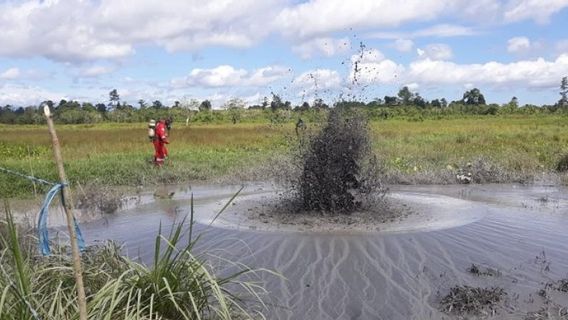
(401, 269)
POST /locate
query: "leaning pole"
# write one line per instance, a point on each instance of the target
(68, 208)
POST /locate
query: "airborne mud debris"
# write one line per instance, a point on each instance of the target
(336, 170)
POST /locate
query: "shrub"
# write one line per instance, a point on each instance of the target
(562, 165)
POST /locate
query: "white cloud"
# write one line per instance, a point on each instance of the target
(537, 10)
(368, 56)
(479, 11)
(373, 67)
(437, 31)
(95, 71)
(228, 76)
(403, 45)
(444, 30)
(319, 17)
(198, 41)
(536, 73)
(21, 95)
(59, 30)
(75, 31)
(518, 44)
(413, 86)
(190, 25)
(322, 47)
(10, 74)
(436, 51)
(318, 79)
(253, 99)
(71, 31)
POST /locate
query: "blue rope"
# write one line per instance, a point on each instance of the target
(44, 212)
(27, 177)
(42, 221)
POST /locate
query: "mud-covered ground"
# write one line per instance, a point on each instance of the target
(373, 268)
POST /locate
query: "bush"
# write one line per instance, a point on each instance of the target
(562, 165)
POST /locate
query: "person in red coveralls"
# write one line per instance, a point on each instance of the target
(160, 141)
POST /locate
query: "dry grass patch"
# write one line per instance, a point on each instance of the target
(463, 300)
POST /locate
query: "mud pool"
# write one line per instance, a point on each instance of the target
(399, 270)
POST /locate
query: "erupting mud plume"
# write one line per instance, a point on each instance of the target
(332, 178)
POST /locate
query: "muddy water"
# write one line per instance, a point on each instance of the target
(397, 273)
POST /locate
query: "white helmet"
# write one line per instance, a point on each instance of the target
(152, 123)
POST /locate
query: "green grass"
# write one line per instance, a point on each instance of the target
(521, 143)
(178, 285)
(113, 154)
(118, 154)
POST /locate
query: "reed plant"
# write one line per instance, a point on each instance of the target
(178, 284)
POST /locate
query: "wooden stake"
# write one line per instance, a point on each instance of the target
(68, 208)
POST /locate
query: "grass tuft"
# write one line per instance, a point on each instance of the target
(463, 300)
(562, 165)
(179, 285)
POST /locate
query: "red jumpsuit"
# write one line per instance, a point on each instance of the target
(160, 141)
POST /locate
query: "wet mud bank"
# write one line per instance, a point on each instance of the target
(514, 235)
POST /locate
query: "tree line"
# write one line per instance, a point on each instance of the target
(275, 109)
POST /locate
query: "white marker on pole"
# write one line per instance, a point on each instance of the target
(46, 110)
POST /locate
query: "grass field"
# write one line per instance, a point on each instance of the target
(118, 154)
(529, 144)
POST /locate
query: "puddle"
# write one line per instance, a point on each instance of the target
(398, 272)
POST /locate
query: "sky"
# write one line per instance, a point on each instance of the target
(179, 50)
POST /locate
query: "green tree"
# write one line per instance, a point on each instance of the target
(419, 101)
(436, 103)
(510, 107)
(7, 115)
(190, 106)
(406, 96)
(235, 107)
(101, 107)
(563, 102)
(157, 104)
(514, 102)
(444, 102)
(473, 97)
(304, 107)
(114, 98)
(205, 105)
(375, 103)
(319, 104)
(391, 101)
(88, 107)
(276, 103)
(62, 102)
(264, 103)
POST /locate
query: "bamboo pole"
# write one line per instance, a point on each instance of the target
(68, 208)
